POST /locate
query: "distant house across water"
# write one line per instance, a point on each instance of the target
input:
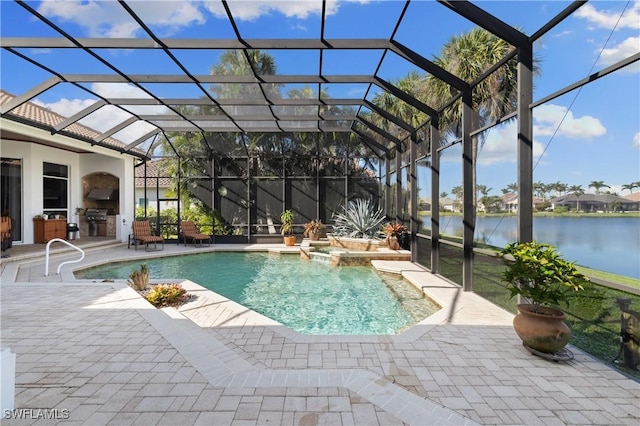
(593, 203)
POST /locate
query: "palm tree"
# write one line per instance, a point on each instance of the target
(411, 84)
(597, 184)
(457, 192)
(629, 186)
(541, 189)
(577, 191)
(468, 56)
(559, 187)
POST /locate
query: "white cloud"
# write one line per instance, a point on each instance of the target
(636, 140)
(66, 107)
(118, 90)
(249, 10)
(99, 19)
(563, 33)
(109, 19)
(550, 119)
(502, 146)
(628, 47)
(609, 18)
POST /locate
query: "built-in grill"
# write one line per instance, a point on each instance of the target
(97, 219)
(94, 215)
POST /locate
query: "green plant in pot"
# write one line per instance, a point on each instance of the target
(313, 229)
(286, 228)
(538, 273)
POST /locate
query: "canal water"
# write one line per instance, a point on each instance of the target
(609, 244)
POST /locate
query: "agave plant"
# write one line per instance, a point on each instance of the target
(358, 219)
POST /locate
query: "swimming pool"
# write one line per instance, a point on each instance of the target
(309, 297)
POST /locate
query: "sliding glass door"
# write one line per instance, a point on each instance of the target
(11, 194)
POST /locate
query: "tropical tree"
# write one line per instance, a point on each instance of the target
(558, 187)
(629, 186)
(412, 84)
(597, 184)
(511, 188)
(468, 56)
(577, 190)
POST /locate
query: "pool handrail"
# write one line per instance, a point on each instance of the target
(46, 255)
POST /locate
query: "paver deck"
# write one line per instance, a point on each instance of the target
(100, 352)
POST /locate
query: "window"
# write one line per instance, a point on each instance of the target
(55, 189)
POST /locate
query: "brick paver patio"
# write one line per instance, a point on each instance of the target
(103, 354)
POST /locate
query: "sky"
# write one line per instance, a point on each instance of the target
(590, 134)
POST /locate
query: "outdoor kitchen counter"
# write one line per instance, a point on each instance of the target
(110, 228)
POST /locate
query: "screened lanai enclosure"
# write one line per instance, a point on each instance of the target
(281, 119)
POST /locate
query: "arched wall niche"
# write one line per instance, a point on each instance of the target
(100, 190)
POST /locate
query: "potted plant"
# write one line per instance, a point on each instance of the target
(312, 229)
(396, 235)
(538, 273)
(286, 229)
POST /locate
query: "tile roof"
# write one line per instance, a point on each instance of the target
(44, 117)
(154, 168)
(598, 198)
(635, 196)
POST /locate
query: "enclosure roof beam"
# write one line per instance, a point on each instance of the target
(487, 21)
(205, 101)
(29, 94)
(116, 129)
(200, 43)
(404, 96)
(251, 117)
(373, 144)
(142, 139)
(217, 79)
(385, 134)
(429, 67)
(390, 117)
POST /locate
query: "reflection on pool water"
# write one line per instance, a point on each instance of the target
(309, 297)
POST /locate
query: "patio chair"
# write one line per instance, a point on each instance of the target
(142, 234)
(190, 232)
(5, 232)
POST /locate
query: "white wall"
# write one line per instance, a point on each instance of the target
(80, 164)
(33, 156)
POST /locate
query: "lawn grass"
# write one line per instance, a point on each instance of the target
(608, 276)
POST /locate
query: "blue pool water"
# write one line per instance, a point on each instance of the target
(309, 297)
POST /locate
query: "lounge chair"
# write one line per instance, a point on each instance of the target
(190, 232)
(142, 234)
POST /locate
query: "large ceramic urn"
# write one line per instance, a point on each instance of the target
(544, 331)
